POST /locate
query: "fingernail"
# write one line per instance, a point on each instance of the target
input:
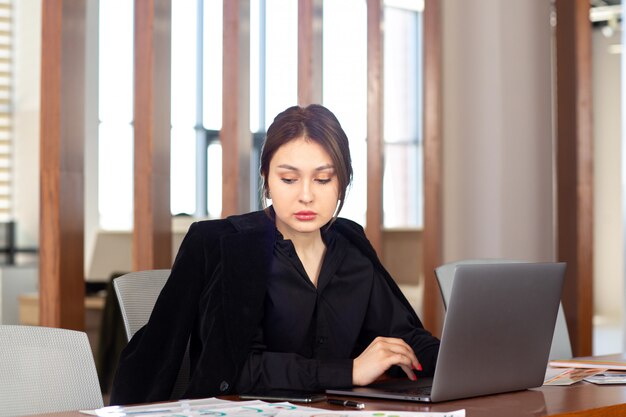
(419, 366)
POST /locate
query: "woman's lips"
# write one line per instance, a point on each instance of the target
(305, 215)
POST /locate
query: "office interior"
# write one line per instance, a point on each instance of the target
(486, 97)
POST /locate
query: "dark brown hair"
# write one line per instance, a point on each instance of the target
(316, 123)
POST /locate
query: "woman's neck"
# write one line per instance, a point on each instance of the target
(310, 249)
(305, 241)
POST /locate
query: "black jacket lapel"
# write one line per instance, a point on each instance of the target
(246, 261)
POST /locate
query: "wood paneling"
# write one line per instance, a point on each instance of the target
(152, 237)
(235, 135)
(375, 144)
(433, 166)
(574, 168)
(61, 270)
(309, 52)
(403, 255)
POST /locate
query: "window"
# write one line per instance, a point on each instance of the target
(115, 157)
(402, 181)
(196, 166)
(281, 60)
(345, 89)
(184, 113)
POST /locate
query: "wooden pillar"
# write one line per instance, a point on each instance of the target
(61, 270)
(433, 166)
(309, 52)
(152, 236)
(574, 168)
(375, 143)
(235, 136)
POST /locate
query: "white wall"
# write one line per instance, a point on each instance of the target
(26, 131)
(608, 245)
(497, 130)
(92, 215)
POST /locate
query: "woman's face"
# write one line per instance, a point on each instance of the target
(303, 187)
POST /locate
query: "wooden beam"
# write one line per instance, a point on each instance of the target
(309, 52)
(574, 168)
(433, 166)
(152, 236)
(375, 143)
(235, 136)
(61, 255)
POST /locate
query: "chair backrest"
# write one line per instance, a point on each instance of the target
(45, 370)
(137, 293)
(561, 345)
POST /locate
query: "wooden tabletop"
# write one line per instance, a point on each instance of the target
(543, 401)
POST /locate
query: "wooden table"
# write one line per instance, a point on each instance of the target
(543, 401)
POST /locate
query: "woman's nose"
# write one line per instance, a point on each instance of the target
(306, 194)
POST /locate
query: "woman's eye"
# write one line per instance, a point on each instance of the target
(323, 180)
(288, 180)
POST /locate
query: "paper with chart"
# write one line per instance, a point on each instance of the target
(335, 413)
(215, 407)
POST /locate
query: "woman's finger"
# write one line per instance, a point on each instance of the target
(400, 346)
(409, 372)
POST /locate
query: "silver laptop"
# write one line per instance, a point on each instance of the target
(496, 335)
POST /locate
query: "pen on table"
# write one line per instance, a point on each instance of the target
(345, 403)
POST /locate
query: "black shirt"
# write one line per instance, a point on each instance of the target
(309, 336)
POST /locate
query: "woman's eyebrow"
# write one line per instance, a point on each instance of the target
(292, 168)
(287, 166)
(325, 167)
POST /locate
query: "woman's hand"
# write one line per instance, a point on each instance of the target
(379, 356)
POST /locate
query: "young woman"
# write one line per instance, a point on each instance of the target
(291, 297)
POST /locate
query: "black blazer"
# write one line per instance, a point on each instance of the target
(214, 298)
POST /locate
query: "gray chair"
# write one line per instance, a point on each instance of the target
(46, 370)
(137, 293)
(561, 347)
